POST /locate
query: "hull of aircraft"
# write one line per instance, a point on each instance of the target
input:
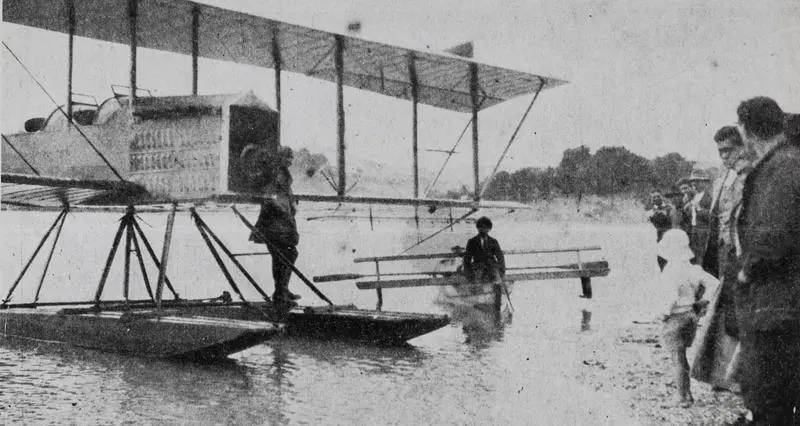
(141, 332)
(343, 323)
(340, 323)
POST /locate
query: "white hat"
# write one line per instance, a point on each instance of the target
(674, 245)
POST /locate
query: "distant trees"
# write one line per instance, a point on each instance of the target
(610, 170)
(669, 168)
(309, 163)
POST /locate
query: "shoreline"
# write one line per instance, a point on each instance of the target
(630, 365)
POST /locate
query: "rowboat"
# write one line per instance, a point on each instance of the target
(148, 333)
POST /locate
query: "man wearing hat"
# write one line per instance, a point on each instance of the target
(276, 226)
(696, 212)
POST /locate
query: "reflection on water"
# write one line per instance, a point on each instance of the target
(481, 325)
(586, 320)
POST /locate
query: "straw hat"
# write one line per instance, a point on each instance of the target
(674, 246)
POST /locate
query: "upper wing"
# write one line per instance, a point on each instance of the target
(227, 35)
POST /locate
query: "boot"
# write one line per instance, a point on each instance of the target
(283, 299)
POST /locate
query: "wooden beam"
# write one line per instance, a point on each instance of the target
(133, 12)
(70, 56)
(510, 278)
(162, 269)
(277, 63)
(339, 62)
(195, 46)
(473, 94)
(452, 255)
(413, 79)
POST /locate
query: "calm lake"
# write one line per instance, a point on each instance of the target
(519, 369)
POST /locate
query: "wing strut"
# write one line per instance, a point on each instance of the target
(339, 61)
(473, 94)
(70, 54)
(33, 256)
(195, 46)
(133, 14)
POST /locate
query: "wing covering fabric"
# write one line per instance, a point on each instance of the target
(228, 35)
(42, 191)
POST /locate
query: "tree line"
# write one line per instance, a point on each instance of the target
(609, 171)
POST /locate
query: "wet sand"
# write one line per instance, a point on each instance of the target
(630, 365)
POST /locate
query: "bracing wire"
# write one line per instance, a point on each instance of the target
(86, 138)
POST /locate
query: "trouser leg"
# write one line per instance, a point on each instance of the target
(682, 381)
(770, 381)
(281, 272)
(661, 262)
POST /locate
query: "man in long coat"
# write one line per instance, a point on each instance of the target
(719, 337)
(768, 284)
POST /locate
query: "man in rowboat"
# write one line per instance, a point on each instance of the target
(483, 260)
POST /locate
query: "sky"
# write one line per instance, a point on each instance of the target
(652, 76)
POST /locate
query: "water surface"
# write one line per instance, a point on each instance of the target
(520, 368)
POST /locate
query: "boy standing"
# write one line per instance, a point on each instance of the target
(687, 283)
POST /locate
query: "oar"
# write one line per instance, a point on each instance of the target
(353, 276)
(508, 296)
(349, 276)
(338, 277)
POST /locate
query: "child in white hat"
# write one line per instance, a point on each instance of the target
(688, 283)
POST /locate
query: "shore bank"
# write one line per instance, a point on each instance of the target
(585, 209)
(630, 364)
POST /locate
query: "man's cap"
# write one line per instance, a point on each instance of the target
(252, 158)
(483, 222)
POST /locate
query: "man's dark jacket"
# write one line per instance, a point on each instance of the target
(481, 262)
(769, 232)
(700, 233)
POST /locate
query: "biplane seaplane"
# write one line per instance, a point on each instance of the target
(136, 152)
